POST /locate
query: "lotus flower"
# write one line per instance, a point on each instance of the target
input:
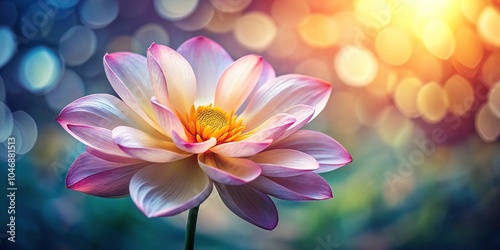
(194, 118)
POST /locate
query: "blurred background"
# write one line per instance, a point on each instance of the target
(416, 101)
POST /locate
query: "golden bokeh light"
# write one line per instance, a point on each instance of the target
(427, 67)
(405, 96)
(438, 39)
(394, 128)
(432, 102)
(489, 72)
(460, 95)
(472, 8)
(469, 50)
(222, 22)
(255, 30)
(393, 46)
(487, 124)
(494, 100)
(488, 25)
(356, 66)
(319, 30)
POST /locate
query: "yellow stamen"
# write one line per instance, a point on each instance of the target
(205, 122)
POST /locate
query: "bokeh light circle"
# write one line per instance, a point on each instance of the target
(148, 34)
(460, 95)
(469, 50)
(438, 38)
(355, 66)
(255, 30)
(432, 102)
(488, 25)
(97, 14)
(40, 70)
(319, 30)
(77, 45)
(230, 6)
(393, 45)
(70, 88)
(7, 45)
(494, 100)
(405, 96)
(198, 19)
(25, 131)
(487, 124)
(6, 122)
(175, 10)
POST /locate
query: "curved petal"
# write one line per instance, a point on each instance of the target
(227, 170)
(193, 147)
(284, 162)
(267, 74)
(328, 152)
(97, 138)
(170, 188)
(273, 128)
(241, 148)
(129, 77)
(145, 147)
(302, 113)
(250, 205)
(167, 119)
(283, 92)
(102, 110)
(208, 60)
(307, 186)
(91, 175)
(178, 76)
(237, 81)
(111, 157)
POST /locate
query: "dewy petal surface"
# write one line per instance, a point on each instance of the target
(283, 92)
(227, 170)
(178, 76)
(237, 82)
(208, 60)
(249, 204)
(170, 188)
(329, 153)
(145, 147)
(92, 175)
(307, 186)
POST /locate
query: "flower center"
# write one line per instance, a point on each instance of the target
(206, 121)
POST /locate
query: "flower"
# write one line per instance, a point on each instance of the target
(192, 119)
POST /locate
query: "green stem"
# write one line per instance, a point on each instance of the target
(191, 228)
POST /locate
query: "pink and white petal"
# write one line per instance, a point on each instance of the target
(128, 74)
(285, 162)
(237, 82)
(283, 92)
(145, 147)
(102, 110)
(250, 205)
(193, 147)
(158, 81)
(241, 148)
(307, 186)
(273, 128)
(170, 188)
(302, 113)
(178, 74)
(329, 153)
(167, 119)
(227, 170)
(92, 175)
(111, 157)
(267, 74)
(208, 60)
(97, 138)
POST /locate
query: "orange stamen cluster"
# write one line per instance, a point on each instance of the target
(206, 121)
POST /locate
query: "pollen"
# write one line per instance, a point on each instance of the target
(206, 121)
